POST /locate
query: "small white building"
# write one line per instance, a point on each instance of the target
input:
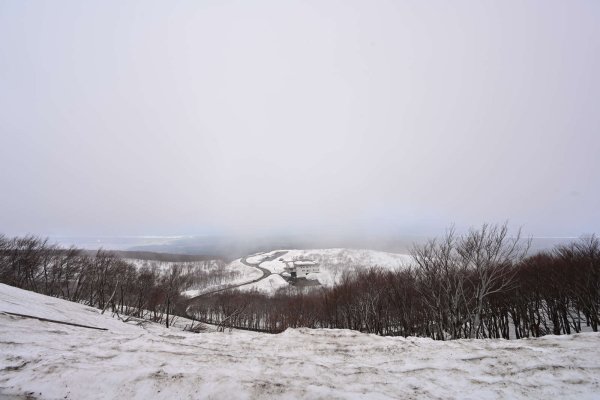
(301, 268)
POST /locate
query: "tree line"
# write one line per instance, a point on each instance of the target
(481, 284)
(99, 279)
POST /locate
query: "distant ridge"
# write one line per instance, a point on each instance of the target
(156, 256)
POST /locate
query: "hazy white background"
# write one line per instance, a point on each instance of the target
(254, 117)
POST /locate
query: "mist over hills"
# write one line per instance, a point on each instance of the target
(234, 247)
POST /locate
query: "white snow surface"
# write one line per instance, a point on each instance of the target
(333, 262)
(43, 360)
(244, 273)
(241, 273)
(259, 257)
(269, 285)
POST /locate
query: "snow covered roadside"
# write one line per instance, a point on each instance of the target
(269, 285)
(243, 273)
(49, 361)
(259, 257)
(19, 301)
(230, 274)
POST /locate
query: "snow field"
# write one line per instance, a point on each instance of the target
(50, 361)
(269, 285)
(333, 262)
(242, 272)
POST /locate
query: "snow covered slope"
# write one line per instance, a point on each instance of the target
(333, 262)
(233, 273)
(269, 285)
(51, 361)
(19, 301)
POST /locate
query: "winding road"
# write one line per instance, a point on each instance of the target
(244, 260)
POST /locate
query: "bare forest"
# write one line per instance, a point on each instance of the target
(102, 279)
(482, 284)
(478, 285)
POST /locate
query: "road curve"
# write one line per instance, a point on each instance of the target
(244, 260)
(265, 271)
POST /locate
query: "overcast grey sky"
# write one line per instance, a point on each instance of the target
(192, 117)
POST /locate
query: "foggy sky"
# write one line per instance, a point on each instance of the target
(262, 117)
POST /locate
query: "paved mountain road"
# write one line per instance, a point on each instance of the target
(265, 274)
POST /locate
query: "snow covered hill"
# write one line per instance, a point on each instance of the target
(269, 285)
(333, 262)
(45, 360)
(230, 274)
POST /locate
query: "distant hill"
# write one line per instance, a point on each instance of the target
(166, 257)
(230, 247)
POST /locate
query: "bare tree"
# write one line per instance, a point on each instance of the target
(489, 256)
